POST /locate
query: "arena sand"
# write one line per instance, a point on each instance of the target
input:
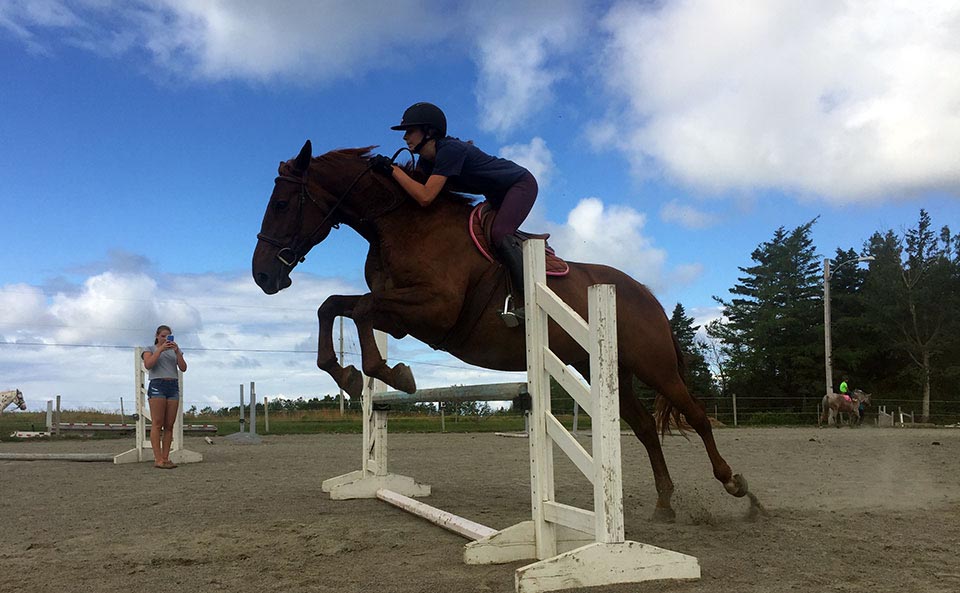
(850, 510)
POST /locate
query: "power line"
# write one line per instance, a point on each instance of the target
(250, 350)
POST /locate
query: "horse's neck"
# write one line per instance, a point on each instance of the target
(403, 239)
(6, 400)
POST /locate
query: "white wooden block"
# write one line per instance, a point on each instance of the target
(605, 564)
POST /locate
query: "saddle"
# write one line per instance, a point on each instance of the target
(481, 222)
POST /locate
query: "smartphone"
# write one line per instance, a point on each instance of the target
(170, 338)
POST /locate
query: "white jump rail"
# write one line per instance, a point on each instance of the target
(138, 454)
(573, 547)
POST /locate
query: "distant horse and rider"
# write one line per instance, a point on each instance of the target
(836, 403)
(428, 280)
(12, 397)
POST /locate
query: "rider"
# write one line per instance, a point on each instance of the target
(844, 388)
(460, 166)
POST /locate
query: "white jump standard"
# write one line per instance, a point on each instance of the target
(574, 547)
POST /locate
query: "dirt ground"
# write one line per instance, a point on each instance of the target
(851, 510)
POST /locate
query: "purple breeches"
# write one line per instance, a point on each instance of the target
(516, 205)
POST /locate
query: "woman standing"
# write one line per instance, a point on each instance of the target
(162, 360)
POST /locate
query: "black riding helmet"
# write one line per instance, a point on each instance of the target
(426, 115)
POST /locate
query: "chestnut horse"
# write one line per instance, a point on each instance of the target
(428, 280)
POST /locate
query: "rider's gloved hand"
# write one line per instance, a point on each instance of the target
(381, 164)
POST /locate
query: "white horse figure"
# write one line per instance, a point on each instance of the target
(834, 403)
(12, 397)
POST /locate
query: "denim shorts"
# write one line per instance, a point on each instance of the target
(165, 388)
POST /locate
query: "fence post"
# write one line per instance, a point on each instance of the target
(253, 408)
(56, 424)
(734, 395)
(266, 415)
(241, 408)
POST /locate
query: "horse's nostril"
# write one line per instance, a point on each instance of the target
(262, 278)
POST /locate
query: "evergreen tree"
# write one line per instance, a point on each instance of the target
(853, 337)
(912, 298)
(697, 375)
(772, 337)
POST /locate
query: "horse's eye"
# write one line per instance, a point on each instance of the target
(279, 205)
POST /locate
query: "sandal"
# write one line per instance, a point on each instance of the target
(169, 464)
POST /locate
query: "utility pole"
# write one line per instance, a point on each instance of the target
(341, 362)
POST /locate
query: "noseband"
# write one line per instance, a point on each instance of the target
(295, 256)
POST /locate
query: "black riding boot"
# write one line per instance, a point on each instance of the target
(510, 251)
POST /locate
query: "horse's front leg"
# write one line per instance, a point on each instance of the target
(349, 379)
(395, 312)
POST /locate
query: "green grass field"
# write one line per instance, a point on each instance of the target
(305, 422)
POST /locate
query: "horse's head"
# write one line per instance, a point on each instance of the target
(310, 197)
(297, 218)
(19, 401)
(861, 396)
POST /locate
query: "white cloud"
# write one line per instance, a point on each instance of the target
(247, 39)
(230, 331)
(686, 215)
(518, 47)
(517, 53)
(851, 101)
(610, 235)
(535, 157)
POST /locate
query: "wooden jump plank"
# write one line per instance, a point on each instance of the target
(56, 457)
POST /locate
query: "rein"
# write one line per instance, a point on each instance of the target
(295, 257)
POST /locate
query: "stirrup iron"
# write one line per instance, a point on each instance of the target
(511, 317)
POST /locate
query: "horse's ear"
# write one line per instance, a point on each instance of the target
(303, 159)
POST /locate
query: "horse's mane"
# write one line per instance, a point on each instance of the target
(350, 156)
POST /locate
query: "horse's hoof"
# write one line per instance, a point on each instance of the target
(403, 378)
(353, 384)
(737, 486)
(664, 515)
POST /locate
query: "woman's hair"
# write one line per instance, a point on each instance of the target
(156, 340)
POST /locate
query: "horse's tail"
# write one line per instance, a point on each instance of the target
(664, 409)
(823, 407)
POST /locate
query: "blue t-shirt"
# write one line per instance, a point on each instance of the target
(469, 170)
(166, 367)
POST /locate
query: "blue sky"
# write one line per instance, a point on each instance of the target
(139, 141)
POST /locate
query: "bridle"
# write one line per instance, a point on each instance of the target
(296, 244)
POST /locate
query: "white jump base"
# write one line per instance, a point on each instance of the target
(573, 547)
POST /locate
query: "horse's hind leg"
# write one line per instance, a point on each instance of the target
(676, 391)
(645, 427)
